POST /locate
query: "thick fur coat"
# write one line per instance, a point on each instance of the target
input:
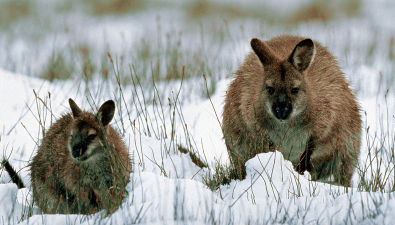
(290, 95)
(81, 166)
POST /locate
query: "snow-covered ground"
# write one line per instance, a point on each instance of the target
(272, 192)
(166, 187)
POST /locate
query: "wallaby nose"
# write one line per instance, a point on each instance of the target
(281, 110)
(79, 150)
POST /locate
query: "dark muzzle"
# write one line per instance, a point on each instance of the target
(79, 149)
(281, 110)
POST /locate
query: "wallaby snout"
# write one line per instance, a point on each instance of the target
(79, 145)
(281, 109)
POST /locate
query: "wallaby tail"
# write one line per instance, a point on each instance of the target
(14, 176)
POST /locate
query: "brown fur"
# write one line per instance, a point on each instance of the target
(321, 128)
(91, 180)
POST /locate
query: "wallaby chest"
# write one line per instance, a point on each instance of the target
(291, 141)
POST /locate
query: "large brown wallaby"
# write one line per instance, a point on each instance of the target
(290, 95)
(82, 164)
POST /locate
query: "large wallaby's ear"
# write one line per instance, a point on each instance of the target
(106, 112)
(302, 55)
(262, 51)
(77, 112)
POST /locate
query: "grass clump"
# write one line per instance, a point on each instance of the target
(325, 10)
(13, 10)
(103, 7)
(202, 9)
(165, 61)
(314, 10)
(58, 68)
(222, 175)
(88, 69)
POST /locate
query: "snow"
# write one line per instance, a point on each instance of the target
(166, 187)
(273, 191)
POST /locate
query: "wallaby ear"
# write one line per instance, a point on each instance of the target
(262, 51)
(77, 112)
(302, 55)
(106, 112)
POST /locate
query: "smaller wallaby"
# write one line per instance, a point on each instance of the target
(290, 95)
(13, 174)
(82, 164)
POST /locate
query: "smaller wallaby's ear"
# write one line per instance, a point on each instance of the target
(77, 112)
(106, 112)
(302, 55)
(262, 51)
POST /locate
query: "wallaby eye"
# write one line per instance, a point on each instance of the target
(295, 90)
(91, 137)
(270, 90)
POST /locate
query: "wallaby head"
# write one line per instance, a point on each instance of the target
(86, 133)
(284, 91)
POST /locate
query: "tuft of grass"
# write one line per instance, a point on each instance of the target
(326, 10)
(222, 175)
(103, 7)
(88, 69)
(198, 9)
(13, 10)
(314, 10)
(377, 170)
(164, 61)
(105, 67)
(391, 49)
(58, 68)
